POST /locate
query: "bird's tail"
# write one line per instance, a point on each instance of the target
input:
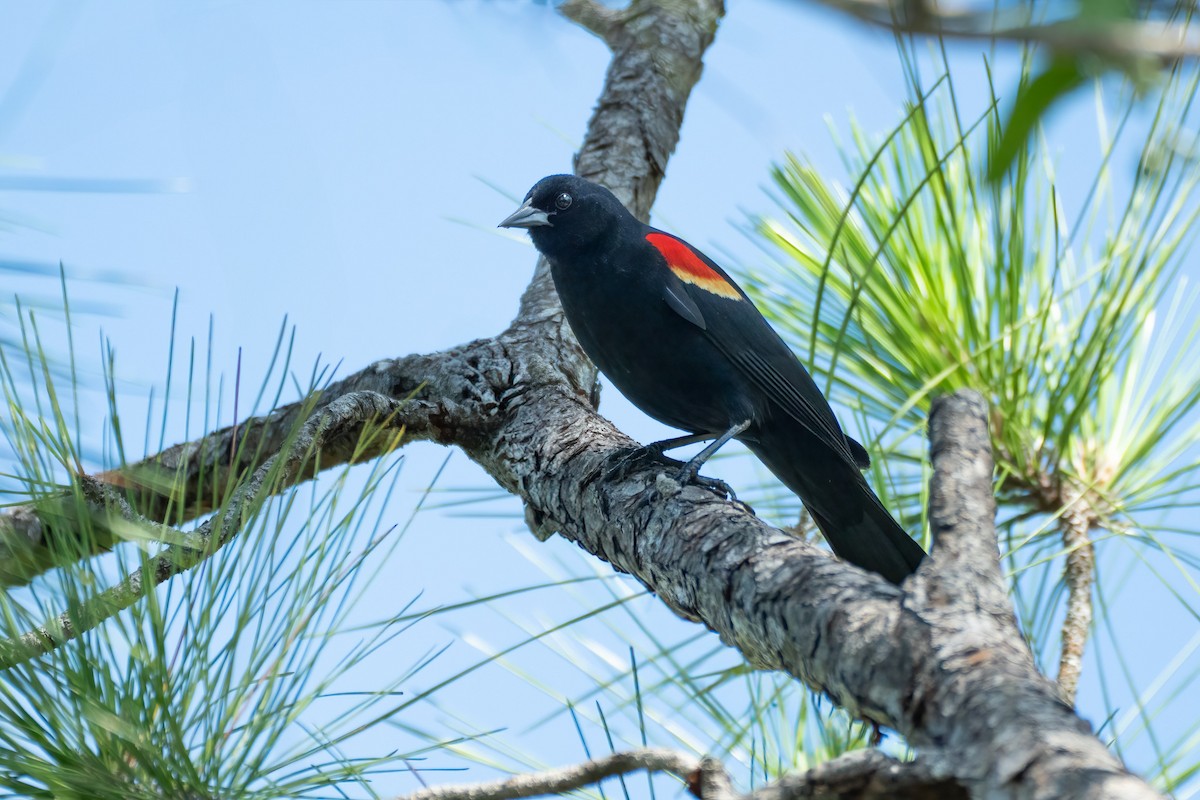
(875, 541)
(855, 523)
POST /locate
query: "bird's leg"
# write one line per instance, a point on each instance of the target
(623, 462)
(691, 470)
(680, 441)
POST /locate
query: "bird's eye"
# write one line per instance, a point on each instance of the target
(562, 202)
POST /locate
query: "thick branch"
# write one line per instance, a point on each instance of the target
(938, 662)
(1010, 728)
(962, 506)
(633, 131)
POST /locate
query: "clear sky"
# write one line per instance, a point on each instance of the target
(343, 165)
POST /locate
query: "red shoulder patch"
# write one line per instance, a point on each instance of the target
(690, 268)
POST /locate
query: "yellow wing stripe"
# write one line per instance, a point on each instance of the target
(690, 268)
(717, 285)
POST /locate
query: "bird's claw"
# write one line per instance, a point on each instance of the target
(714, 485)
(622, 463)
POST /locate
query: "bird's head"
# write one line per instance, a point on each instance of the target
(567, 214)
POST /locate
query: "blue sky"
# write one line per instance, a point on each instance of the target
(343, 164)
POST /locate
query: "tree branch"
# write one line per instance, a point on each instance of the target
(566, 779)
(190, 479)
(1075, 523)
(595, 17)
(861, 775)
(343, 419)
(962, 505)
(1121, 41)
(937, 659)
(658, 57)
(981, 671)
(864, 775)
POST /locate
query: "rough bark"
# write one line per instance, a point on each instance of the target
(938, 659)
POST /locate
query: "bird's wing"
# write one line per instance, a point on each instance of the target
(702, 293)
(796, 392)
(682, 303)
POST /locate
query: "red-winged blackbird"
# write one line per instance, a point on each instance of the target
(684, 343)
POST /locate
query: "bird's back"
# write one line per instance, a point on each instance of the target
(662, 363)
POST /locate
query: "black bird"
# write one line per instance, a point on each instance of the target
(684, 343)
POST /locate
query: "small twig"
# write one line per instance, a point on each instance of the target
(565, 779)
(1121, 41)
(341, 416)
(592, 16)
(1075, 523)
(860, 775)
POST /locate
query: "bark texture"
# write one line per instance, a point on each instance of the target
(938, 659)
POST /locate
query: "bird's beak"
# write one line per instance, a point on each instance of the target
(526, 217)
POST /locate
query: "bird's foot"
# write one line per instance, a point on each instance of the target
(714, 485)
(690, 473)
(624, 462)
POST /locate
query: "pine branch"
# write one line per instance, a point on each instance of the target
(191, 479)
(938, 659)
(1075, 524)
(345, 418)
(566, 779)
(1120, 41)
(601, 20)
(861, 775)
